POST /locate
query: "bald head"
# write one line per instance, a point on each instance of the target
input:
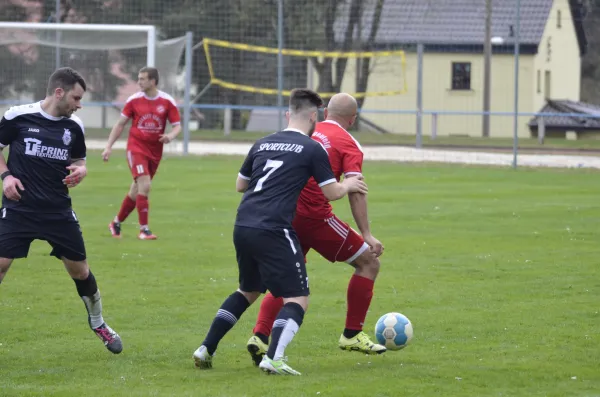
(343, 105)
(342, 108)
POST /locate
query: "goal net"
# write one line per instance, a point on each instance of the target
(108, 57)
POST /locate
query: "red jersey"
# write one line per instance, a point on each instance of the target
(150, 116)
(345, 157)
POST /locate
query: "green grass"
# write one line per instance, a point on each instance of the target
(397, 139)
(496, 268)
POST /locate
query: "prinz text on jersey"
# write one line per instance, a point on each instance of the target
(34, 147)
(281, 147)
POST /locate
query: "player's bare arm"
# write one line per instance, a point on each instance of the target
(10, 184)
(175, 131)
(241, 184)
(115, 134)
(78, 172)
(335, 190)
(358, 205)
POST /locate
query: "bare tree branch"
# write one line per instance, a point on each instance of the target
(369, 45)
(356, 8)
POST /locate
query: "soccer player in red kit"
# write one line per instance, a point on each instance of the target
(318, 228)
(150, 109)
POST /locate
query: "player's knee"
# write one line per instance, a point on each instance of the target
(5, 265)
(79, 274)
(251, 297)
(143, 185)
(77, 269)
(367, 262)
(145, 188)
(133, 190)
(301, 300)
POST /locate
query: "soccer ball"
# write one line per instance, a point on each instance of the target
(394, 331)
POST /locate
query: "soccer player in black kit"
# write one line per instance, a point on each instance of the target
(268, 253)
(47, 157)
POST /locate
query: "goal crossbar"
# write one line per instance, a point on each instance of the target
(150, 30)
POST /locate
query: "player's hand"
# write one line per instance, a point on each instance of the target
(165, 138)
(356, 184)
(106, 154)
(375, 245)
(11, 187)
(78, 172)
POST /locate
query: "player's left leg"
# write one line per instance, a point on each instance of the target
(4, 266)
(336, 241)
(144, 182)
(358, 296)
(270, 306)
(136, 166)
(258, 343)
(16, 234)
(227, 316)
(127, 207)
(87, 288)
(246, 242)
(142, 169)
(284, 273)
(285, 328)
(67, 243)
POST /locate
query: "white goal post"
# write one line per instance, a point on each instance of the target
(80, 27)
(107, 55)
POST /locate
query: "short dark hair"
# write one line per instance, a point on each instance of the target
(65, 78)
(152, 73)
(303, 98)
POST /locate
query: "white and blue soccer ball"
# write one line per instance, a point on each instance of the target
(394, 331)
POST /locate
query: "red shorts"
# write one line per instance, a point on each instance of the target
(140, 164)
(334, 239)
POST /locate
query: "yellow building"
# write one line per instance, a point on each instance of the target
(551, 45)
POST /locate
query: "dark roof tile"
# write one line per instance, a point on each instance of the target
(564, 121)
(446, 22)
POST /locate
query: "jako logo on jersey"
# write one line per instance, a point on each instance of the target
(150, 122)
(281, 147)
(34, 130)
(160, 109)
(34, 147)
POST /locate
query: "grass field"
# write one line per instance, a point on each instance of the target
(496, 268)
(397, 139)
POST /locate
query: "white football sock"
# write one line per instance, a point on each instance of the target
(288, 333)
(94, 308)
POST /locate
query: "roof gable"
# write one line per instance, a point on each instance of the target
(453, 22)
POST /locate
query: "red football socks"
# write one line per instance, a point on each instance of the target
(269, 309)
(127, 207)
(142, 207)
(359, 295)
(360, 292)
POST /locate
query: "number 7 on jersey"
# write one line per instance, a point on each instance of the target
(273, 165)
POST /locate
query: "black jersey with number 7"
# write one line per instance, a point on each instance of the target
(277, 169)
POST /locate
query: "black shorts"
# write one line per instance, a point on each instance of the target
(61, 230)
(270, 260)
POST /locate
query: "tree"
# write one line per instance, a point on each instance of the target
(364, 65)
(344, 39)
(309, 25)
(590, 67)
